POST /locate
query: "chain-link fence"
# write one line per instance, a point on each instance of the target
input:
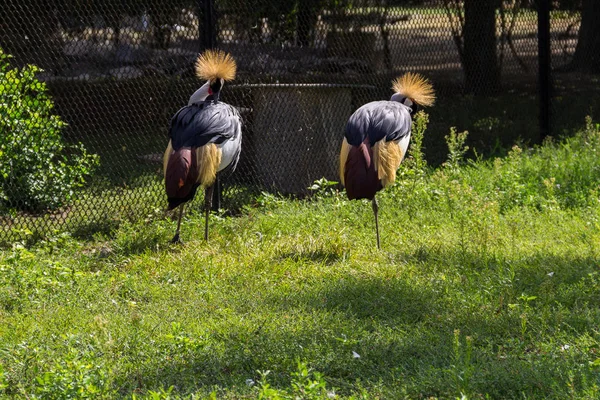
(117, 70)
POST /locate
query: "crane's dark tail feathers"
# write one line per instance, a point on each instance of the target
(386, 158)
(187, 168)
(415, 87)
(181, 175)
(360, 176)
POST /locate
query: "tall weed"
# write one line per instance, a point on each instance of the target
(557, 174)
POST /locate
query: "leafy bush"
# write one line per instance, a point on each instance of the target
(562, 173)
(38, 171)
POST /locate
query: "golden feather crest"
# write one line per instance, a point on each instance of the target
(416, 87)
(215, 64)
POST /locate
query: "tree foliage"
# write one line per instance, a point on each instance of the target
(587, 52)
(38, 170)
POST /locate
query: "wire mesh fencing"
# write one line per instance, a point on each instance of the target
(115, 71)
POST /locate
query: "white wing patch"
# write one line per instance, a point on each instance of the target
(403, 143)
(229, 148)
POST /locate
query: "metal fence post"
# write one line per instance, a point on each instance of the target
(544, 68)
(208, 32)
(208, 40)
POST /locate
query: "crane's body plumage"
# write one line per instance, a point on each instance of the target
(378, 120)
(187, 159)
(204, 122)
(205, 137)
(375, 143)
(376, 139)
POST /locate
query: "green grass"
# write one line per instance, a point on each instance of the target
(487, 286)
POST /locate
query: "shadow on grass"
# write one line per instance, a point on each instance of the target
(320, 256)
(370, 298)
(404, 333)
(128, 238)
(88, 229)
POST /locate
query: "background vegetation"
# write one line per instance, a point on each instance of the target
(38, 169)
(486, 286)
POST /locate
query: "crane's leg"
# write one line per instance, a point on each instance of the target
(208, 194)
(176, 237)
(375, 211)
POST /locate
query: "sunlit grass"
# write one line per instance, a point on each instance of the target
(486, 285)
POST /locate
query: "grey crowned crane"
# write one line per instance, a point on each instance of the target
(205, 138)
(377, 137)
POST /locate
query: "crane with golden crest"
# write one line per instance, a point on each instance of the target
(377, 137)
(205, 138)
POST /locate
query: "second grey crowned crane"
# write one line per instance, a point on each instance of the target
(377, 137)
(205, 138)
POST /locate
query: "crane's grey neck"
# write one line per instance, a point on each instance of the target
(200, 94)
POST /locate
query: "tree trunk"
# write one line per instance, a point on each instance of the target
(385, 35)
(308, 13)
(304, 24)
(482, 73)
(28, 32)
(587, 52)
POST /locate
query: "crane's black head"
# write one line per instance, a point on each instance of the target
(216, 85)
(414, 107)
(215, 89)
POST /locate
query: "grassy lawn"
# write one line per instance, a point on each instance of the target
(487, 286)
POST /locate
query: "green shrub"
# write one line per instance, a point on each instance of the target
(38, 170)
(563, 174)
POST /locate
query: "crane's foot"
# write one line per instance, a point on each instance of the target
(176, 239)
